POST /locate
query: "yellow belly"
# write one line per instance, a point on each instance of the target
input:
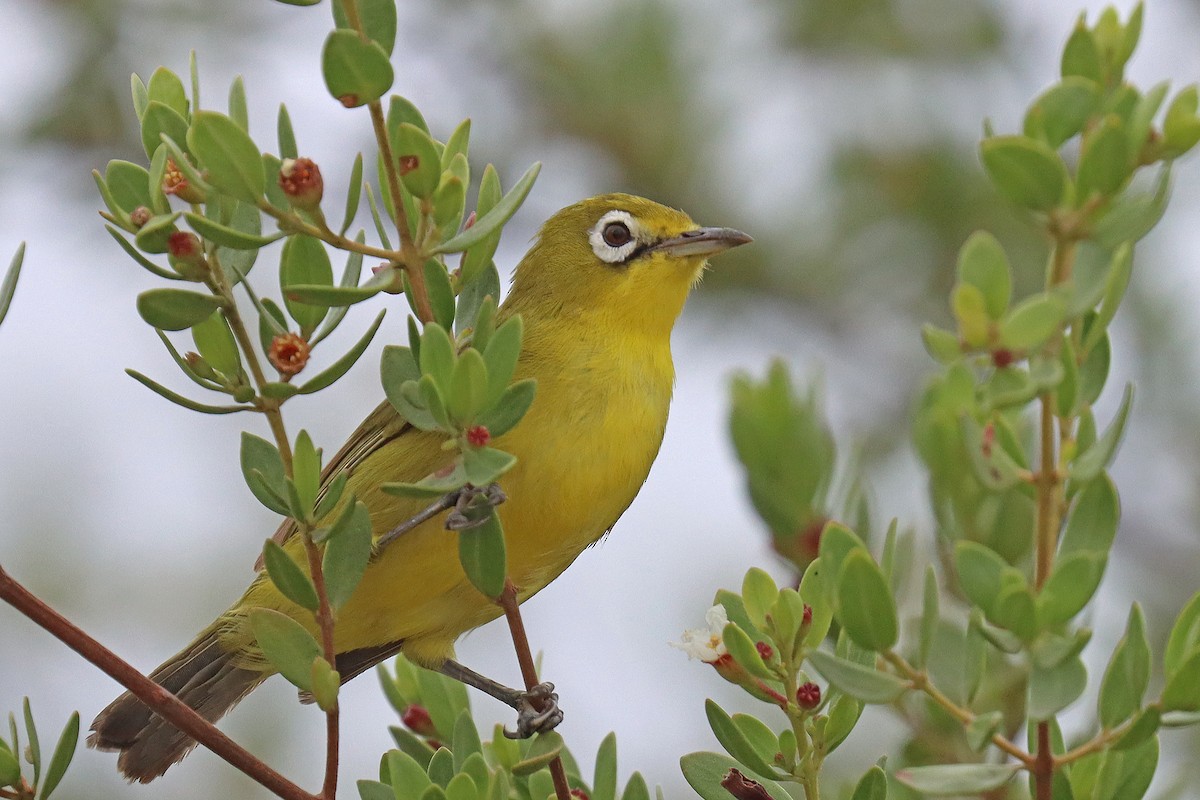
(584, 450)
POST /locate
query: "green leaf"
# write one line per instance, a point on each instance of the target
(1185, 637)
(214, 341)
(337, 369)
(226, 236)
(1051, 690)
(1127, 675)
(468, 387)
(1092, 522)
(175, 309)
(759, 594)
(8, 286)
(484, 465)
(378, 18)
(419, 164)
(285, 133)
(286, 644)
(231, 159)
(1032, 322)
(304, 262)
(288, 577)
(604, 783)
(980, 573)
(165, 87)
(1081, 56)
(441, 294)
(481, 551)
(956, 779)
(1062, 110)
(983, 264)
(510, 408)
(494, 219)
(982, 728)
(472, 298)
(338, 296)
(1183, 686)
(153, 237)
(237, 104)
(871, 786)
(353, 194)
(1025, 171)
(1092, 461)
(544, 748)
(993, 465)
(10, 768)
(636, 789)
(129, 184)
(465, 742)
(865, 606)
(1070, 586)
(1119, 272)
(817, 595)
(742, 648)
(326, 684)
(408, 779)
(735, 742)
(306, 471)
(864, 683)
(437, 355)
(1126, 775)
(260, 456)
(158, 120)
(930, 617)
(705, 771)
(1145, 725)
(180, 400)
(501, 355)
(1104, 162)
(836, 542)
(346, 555)
(64, 751)
(1015, 610)
(943, 345)
(356, 72)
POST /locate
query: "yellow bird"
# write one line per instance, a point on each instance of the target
(598, 293)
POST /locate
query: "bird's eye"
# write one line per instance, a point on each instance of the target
(616, 234)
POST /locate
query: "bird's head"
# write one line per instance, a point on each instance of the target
(624, 258)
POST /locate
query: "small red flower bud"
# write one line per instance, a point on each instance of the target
(1003, 358)
(300, 179)
(184, 245)
(479, 435)
(349, 100)
(140, 216)
(801, 547)
(408, 164)
(765, 650)
(199, 366)
(742, 788)
(289, 353)
(416, 719)
(175, 183)
(807, 619)
(808, 696)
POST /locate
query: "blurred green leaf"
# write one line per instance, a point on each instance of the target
(305, 262)
(1185, 637)
(1081, 55)
(419, 163)
(378, 19)
(1025, 171)
(1051, 690)
(705, 771)
(158, 120)
(1072, 583)
(983, 264)
(863, 683)
(8, 286)
(481, 550)
(871, 786)
(1127, 675)
(494, 219)
(337, 369)
(1104, 162)
(865, 606)
(1032, 322)
(545, 748)
(1062, 110)
(735, 742)
(1092, 461)
(956, 779)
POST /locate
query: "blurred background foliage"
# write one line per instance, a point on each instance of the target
(841, 133)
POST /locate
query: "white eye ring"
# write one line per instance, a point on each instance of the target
(612, 223)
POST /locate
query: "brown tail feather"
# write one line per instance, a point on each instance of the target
(203, 676)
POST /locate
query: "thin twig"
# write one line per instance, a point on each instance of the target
(516, 626)
(158, 699)
(920, 681)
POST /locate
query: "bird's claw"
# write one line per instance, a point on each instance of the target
(537, 712)
(474, 505)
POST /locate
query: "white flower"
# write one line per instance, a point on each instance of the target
(706, 644)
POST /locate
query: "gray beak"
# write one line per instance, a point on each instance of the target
(701, 242)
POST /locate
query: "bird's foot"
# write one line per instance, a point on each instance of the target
(473, 506)
(537, 712)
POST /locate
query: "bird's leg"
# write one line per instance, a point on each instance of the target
(473, 505)
(537, 709)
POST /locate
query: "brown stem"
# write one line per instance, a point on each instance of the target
(293, 224)
(1043, 766)
(920, 681)
(325, 622)
(516, 626)
(158, 699)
